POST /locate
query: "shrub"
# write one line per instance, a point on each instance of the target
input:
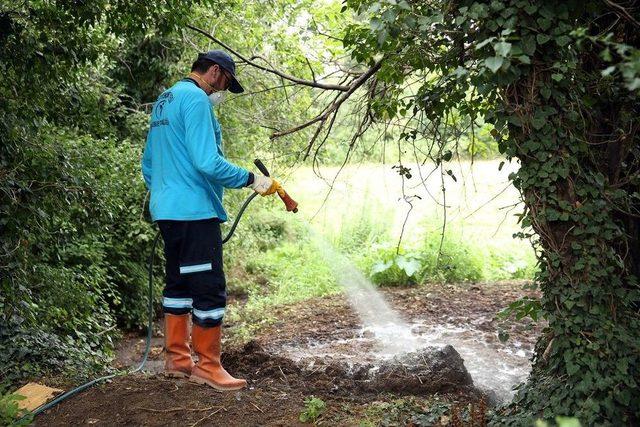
(314, 407)
(387, 267)
(454, 261)
(79, 265)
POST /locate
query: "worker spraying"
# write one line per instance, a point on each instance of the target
(186, 172)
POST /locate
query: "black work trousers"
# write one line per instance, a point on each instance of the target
(195, 281)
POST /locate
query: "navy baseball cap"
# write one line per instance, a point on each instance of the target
(224, 60)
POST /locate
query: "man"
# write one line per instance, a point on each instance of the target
(185, 170)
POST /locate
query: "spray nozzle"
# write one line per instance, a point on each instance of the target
(292, 205)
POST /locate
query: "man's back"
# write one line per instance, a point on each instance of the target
(183, 164)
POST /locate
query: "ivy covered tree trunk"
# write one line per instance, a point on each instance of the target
(560, 82)
(576, 136)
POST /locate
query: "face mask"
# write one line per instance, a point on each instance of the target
(216, 98)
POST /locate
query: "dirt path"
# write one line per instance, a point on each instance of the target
(304, 353)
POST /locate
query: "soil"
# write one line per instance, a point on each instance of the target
(315, 348)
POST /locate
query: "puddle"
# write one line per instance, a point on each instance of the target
(495, 367)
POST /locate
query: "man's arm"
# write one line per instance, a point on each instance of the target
(202, 148)
(146, 162)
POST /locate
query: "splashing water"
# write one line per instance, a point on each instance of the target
(491, 370)
(392, 333)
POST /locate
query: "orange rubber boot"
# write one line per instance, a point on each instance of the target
(208, 370)
(178, 363)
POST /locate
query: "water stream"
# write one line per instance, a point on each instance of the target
(392, 333)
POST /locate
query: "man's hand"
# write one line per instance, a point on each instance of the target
(264, 185)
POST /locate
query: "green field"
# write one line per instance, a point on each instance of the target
(481, 208)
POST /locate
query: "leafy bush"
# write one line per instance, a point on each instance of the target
(81, 254)
(459, 261)
(387, 267)
(454, 261)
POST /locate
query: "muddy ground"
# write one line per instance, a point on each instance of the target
(309, 350)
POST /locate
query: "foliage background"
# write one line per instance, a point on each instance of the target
(78, 79)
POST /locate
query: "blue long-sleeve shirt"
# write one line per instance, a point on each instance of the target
(183, 164)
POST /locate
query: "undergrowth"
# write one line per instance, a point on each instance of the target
(278, 265)
(452, 259)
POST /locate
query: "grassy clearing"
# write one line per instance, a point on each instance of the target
(365, 212)
(280, 268)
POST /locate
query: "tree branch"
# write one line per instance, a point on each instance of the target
(355, 84)
(294, 79)
(621, 11)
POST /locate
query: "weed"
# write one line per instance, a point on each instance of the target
(454, 260)
(10, 412)
(387, 267)
(314, 408)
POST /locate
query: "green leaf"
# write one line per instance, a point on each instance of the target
(494, 63)
(502, 48)
(382, 36)
(538, 122)
(381, 267)
(460, 71)
(410, 265)
(524, 59)
(484, 42)
(542, 38)
(562, 40)
(634, 84)
(528, 45)
(544, 23)
(572, 368)
(404, 5)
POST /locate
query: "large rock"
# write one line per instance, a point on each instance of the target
(427, 370)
